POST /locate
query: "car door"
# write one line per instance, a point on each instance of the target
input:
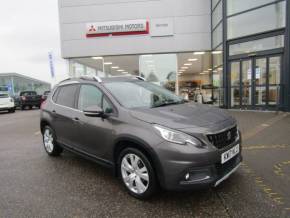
(96, 132)
(65, 114)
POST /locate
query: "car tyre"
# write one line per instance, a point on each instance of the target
(12, 110)
(22, 107)
(136, 173)
(49, 141)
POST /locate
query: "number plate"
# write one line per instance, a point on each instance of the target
(226, 156)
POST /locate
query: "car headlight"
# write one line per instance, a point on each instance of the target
(176, 137)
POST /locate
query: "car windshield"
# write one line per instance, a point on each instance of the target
(142, 94)
(4, 95)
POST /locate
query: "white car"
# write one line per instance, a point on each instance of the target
(7, 103)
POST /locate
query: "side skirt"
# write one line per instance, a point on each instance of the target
(93, 158)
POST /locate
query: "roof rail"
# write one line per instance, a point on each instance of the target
(85, 77)
(98, 79)
(140, 78)
(64, 80)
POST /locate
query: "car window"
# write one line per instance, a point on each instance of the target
(89, 96)
(55, 94)
(28, 94)
(66, 95)
(142, 94)
(32, 93)
(107, 106)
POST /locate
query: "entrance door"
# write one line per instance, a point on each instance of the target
(255, 82)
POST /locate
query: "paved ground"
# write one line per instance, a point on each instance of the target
(35, 185)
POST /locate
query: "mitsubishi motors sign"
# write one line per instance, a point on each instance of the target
(117, 28)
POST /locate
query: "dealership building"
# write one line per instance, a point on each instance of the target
(14, 83)
(233, 53)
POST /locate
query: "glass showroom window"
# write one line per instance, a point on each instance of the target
(195, 76)
(237, 6)
(267, 18)
(160, 69)
(257, 45)
(187, 74)
(217, 63)
(217, 36)
(214, 3)
(217, 15)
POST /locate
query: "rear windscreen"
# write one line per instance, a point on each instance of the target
(28, 93)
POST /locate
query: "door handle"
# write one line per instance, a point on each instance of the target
(53, 111)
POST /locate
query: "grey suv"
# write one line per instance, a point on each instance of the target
(147, 135)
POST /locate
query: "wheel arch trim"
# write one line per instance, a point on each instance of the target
(143, 146)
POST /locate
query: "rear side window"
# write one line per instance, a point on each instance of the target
(28, 94)
(66, 95)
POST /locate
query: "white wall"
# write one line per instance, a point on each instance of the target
(191, 19)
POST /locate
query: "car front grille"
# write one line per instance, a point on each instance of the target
(223, 139)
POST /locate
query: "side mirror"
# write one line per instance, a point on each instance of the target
(94, 111)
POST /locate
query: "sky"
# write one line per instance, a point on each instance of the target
(28, 31)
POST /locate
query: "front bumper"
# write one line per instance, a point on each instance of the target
(202, 170)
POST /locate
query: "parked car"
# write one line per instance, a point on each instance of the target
(44, 96)
(149, 136)
(29, 99)
(6, 103)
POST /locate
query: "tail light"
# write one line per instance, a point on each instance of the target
(23, 98)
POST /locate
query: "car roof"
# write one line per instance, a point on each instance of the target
(101, 80)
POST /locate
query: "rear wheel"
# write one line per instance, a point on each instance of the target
(137, 173)
(12, 110)
(49, 141)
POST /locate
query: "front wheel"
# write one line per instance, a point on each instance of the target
(50, 145)
(137, 173)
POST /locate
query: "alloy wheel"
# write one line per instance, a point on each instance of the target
(134, 173)
(48, 140)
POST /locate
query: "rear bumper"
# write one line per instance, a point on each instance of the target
(7, 107)
(30, 103)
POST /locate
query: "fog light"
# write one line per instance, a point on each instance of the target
(187, 176)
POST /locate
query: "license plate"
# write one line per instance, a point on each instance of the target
(226, 156)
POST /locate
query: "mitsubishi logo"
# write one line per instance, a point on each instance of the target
(229, 135)
(92, 29)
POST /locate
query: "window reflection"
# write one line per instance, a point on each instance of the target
(266, 18)
(274, 70)
(236, 6)
(187, 74)
(257, 45)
